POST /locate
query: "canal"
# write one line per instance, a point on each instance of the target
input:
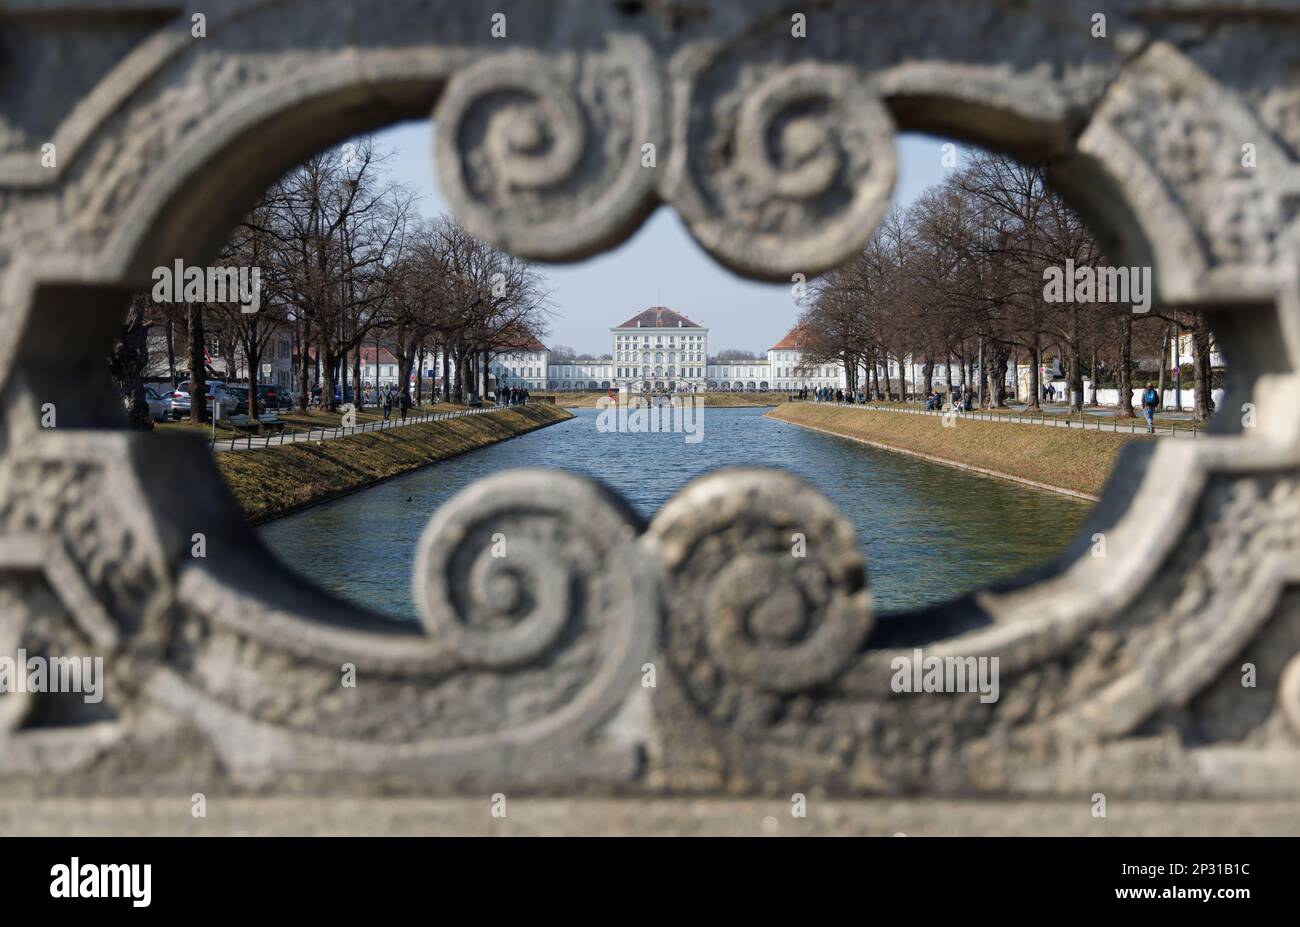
(930, 532)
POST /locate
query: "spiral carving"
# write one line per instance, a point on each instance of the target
(767, 587)
(804, 161)
(790, 175)
(541, 154)
(516, 562)
(533, 133)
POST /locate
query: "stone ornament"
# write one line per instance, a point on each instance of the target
(516, 155)
(1120, 674)
(785, 178)
(765, 581)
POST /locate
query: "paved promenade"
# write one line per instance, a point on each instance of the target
(253, 442)
(1047, 418)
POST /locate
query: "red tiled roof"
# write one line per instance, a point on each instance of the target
(368, 357)
(659, 317)
(518, 339)
(793, 340)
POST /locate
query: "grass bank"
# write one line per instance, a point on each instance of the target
(274, 481)
(1053, 458)
(718, 400)
(296, 421)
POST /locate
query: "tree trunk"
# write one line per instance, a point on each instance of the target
(1125, 380)
(304, 383)
(462, 376)
(171, 349)
(419, 374)
(1178, 368)
(1164, 365)
(1202, 390)
(358, 391)
(329, 364)
(997, 375)
(128, 361)
(1035, 382)
(198, 368)
(254, 365)
(1075, 383)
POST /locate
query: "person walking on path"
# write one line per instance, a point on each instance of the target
(388, 403)
(1150, 399)
(404, 403)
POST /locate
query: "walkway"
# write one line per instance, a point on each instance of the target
(1133, 426)
(254, 442)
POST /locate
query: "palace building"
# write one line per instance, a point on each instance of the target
(662, 351)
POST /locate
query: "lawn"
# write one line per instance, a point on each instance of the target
(268, 482)
(1093, 415)
(1067, 458)
(295, 421)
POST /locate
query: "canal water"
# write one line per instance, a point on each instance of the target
(930, 532)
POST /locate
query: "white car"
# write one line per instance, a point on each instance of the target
(157, 405)
(178, 400)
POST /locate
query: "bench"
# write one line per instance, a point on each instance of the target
(242, 423)
(271, 422)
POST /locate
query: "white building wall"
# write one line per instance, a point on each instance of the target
(787, 372)
(527, 369)
(668, 358)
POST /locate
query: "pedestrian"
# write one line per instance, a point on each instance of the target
(404, 402)
(388, 403)
(1150, 399)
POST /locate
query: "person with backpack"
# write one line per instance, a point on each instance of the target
(1150, 399)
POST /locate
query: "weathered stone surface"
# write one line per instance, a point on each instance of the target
(1120, 675)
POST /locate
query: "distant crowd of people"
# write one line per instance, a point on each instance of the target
(826, 394)
(963, 397)
(512, 395)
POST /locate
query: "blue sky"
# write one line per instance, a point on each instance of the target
(659, 265)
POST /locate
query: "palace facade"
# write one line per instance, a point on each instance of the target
(662, 351)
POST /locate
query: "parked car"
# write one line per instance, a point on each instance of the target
(270, 398)
(178, 400)
(240, 394)
(157, 405)
(177, 403)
